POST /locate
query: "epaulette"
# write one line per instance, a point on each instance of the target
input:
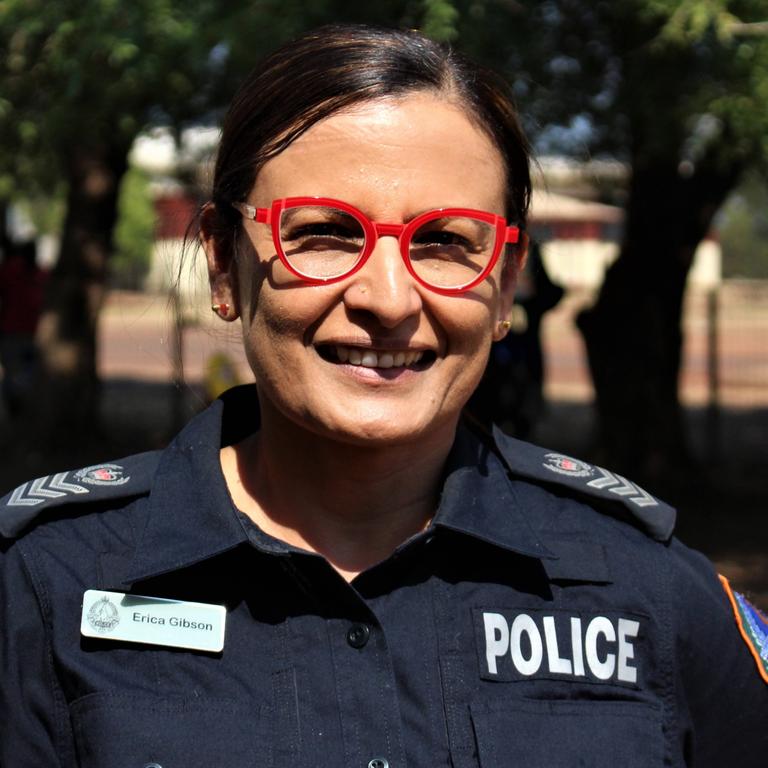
(523, 459)
(33, 501)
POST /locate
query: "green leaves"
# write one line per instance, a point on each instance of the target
(439, 20)
(690, 21)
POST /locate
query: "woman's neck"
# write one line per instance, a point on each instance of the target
(353, 504)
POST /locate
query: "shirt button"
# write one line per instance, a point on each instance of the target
(153, 765)
(357, 637)
(378, 762)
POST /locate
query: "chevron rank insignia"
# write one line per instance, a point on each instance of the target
(33, 499)
(602, 478)
(753, 627)
(530, 461)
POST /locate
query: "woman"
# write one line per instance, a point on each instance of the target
(342, 574)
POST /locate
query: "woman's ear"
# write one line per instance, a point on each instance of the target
(222, 268)
(514, 264)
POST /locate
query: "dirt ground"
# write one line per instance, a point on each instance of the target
(722, 506)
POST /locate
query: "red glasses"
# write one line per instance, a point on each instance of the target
(319, 240)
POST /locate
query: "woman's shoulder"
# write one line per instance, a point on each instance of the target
(75, 493)
(69, 531)
(589, 514)
(604, 525)
(589, 487)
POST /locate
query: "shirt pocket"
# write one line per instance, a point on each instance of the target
(125, 731)
(564, 734)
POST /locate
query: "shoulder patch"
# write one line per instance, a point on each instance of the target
(753, 627)
(33, 500)
(530, 461)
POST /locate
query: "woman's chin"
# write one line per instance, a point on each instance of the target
(383, 427)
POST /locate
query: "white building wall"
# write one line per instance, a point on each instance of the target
(172, 267)
(582, 263)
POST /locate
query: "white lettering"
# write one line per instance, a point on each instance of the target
(600, 625)
(627, 628)
(524, 624)
(577, 647)
(601, 647)
(496, 639)
(556, 662)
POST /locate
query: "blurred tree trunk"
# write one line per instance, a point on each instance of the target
(68, 394)
(633, 332)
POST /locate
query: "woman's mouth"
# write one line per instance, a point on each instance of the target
(366, 357)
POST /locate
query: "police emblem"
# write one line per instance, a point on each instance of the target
(565, 465)
(102, 474)
(103, 615)
(753, 627)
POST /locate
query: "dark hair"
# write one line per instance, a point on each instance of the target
(336, 66)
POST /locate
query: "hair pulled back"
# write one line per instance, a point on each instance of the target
(334, 67)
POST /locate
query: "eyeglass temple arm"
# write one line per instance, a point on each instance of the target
(512, 234)
(260, 215)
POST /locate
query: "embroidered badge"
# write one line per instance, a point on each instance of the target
(517, 644)
(102, 474)
(565, 465)
(753, 626)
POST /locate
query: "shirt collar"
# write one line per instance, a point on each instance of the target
(191, 516)
(479, 499)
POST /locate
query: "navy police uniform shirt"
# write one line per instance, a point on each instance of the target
(545, 618)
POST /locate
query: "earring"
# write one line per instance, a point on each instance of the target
(505, 325)
(222, 310)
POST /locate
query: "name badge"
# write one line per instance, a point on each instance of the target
(153, 620)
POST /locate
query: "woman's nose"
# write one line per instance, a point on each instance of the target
(383, 286)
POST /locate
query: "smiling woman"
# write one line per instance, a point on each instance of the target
(388, 585)
(437, 160)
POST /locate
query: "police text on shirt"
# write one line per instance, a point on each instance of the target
(523, 643)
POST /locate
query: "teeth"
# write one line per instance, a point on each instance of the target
(369, 358)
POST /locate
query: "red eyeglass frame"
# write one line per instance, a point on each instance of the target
(373, 230)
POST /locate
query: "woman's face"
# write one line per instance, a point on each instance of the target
(422, 353)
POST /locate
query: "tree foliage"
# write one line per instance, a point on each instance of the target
(134, 231)
(677, 88)
(78, 83)
(743, 229)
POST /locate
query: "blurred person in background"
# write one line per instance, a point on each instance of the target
(22, 285)
(332, 567)
(511, 392)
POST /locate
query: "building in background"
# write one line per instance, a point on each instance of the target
(580, 237)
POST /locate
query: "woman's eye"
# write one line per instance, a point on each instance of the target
(441, 237)
(320, 229)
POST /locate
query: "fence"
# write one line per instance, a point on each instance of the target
(724, 376)
(725, 367)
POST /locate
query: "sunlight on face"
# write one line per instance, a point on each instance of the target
(376, 356)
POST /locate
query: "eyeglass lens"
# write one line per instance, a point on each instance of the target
(323, 242)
